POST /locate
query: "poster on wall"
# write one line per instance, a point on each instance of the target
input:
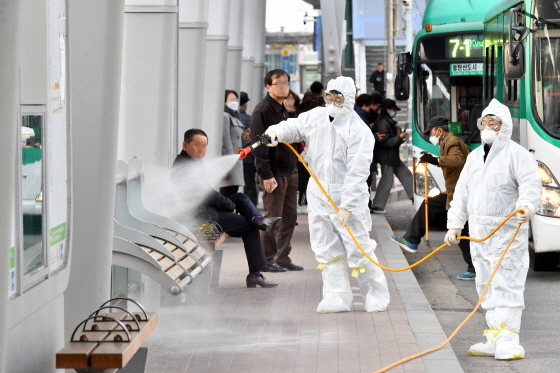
(57, 133)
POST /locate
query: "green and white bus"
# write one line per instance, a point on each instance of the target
(470, 52)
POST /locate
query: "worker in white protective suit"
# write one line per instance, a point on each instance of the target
(498, 178)
(339, 152)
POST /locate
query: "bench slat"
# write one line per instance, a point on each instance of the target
(179, 254)
(175, 272)
(188, 263)
(166, 263)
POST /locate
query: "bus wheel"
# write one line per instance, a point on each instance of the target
(543, 261)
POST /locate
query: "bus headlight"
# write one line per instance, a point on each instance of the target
(419, 172)
(550, 198)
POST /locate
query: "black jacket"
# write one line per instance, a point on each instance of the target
(214, 202)
(276, 161)
(386, 151)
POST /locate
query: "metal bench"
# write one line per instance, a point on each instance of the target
(107, 342)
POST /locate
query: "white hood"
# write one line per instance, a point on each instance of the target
(348, 88)
(502, 112)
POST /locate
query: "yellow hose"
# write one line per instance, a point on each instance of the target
(483, 293)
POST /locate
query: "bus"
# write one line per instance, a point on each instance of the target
(470, 52)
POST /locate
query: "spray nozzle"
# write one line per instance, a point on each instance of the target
(264, 139)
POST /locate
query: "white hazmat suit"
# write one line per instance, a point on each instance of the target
(339, 153)
(488, 191)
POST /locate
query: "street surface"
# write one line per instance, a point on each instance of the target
(453, 299)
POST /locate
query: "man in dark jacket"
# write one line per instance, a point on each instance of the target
(452, 158)
(277, 172)
(249, 171)
(378, 79)
(224, 210)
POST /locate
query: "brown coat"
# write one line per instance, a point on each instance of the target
(453, 155)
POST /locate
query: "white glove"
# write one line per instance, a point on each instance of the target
(273, 138)
(343, 216)
(451, 236)
(525, 216)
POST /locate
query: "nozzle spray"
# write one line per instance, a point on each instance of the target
(264, 139)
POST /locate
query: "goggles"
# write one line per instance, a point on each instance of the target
(334, 98)
(490, 121)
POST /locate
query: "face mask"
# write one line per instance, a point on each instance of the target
(333, 110)
(488, 136)
(234, 105)
(434, 140)
(392, 114)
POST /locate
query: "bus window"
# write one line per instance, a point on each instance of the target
(547, 90)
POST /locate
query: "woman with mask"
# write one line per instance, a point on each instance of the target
(231, 142)
(386, 154)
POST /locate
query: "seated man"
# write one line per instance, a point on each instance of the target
(236, 214)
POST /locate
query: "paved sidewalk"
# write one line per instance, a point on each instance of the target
(230, 328)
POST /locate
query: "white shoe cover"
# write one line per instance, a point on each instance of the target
(508, 347)
(373, 288)
(482, 349)
(337, 293)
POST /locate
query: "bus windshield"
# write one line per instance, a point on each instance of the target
(546, 87)
(450, 71)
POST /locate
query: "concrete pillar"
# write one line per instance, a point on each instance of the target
(147, 120)
(95, 30)
(235, 45)
(248, 60)
(9, 117)
(259, 44)
(361, 73)
(191, 51)
(215, 75)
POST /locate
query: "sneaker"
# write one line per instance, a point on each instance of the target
(378, 210)
(467, 276)
(408, 246)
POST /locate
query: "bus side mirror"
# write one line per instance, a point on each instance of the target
(402, 81)
(514, 60)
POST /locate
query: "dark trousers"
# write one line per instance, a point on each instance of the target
(250, 176)
(437, 217)
(241, 225)
(281, 202)
(229, 190)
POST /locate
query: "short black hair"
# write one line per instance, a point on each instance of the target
(364, 99)
(316, 87)
(228, 91)
(377, 98)
(189, 135)
(276, 73)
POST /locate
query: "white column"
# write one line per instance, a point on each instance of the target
(215, 75)
(9, 117)
(259, 43)
(95, 30)
(193, 24)
(235, 45)
(361, 73)
(248, 60)
(148, 79)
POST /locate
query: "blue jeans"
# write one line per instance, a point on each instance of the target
(241, 225)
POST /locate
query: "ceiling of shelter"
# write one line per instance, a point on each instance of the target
(316, 3)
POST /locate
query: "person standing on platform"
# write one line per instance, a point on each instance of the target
(499, 177)
(277, 173)
(249, 171)
(340, 153)
(231, 142)
(453, 155)
(377, 77)
(387, 155)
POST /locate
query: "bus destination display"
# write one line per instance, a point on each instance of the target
(464, 46)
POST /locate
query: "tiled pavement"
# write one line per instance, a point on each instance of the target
(230, 328)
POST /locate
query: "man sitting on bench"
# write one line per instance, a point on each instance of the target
(236, 214)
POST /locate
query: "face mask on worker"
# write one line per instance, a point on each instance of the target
(392, 114)
(434, 140)
(233, 105)
(333, 110)
(488, 135)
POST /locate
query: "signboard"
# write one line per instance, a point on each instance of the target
(465, 69)
(285, 60)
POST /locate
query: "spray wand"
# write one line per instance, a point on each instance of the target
(264, 139)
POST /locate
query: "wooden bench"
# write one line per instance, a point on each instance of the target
(108, 341)
(214, 244)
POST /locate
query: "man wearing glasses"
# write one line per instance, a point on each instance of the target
(277, 172)
(498, 178)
